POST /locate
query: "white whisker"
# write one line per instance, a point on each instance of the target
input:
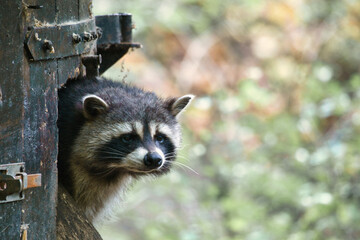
(183, 165)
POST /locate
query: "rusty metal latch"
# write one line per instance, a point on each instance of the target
(13, 181)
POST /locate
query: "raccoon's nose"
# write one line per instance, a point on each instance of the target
(153, 160)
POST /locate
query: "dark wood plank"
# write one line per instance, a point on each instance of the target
(40, 132)
(40, 148)
(43, 15)
(67, 11)
(28, 113)
(11, 106)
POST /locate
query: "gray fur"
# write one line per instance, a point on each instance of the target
(96, 119)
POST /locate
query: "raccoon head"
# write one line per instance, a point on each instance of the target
(138, 138)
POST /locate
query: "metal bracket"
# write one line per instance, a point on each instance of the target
(116, 38)
(92, 65)
(58, 41)
(13, 181)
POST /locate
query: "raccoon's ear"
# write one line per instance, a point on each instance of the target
(93, 106)
(176, 106)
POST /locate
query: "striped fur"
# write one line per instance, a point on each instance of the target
(107, 130)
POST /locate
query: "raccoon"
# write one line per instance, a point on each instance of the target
(111, 133)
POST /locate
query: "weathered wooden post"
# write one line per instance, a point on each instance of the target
(42, 44)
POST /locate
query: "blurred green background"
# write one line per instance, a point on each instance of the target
(274, 131)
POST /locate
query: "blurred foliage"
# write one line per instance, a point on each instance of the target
(274, 131)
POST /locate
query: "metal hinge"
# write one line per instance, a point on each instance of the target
(14, 180)
(59, 41)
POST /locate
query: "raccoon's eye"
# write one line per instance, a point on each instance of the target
(159, 138)
(128, 138)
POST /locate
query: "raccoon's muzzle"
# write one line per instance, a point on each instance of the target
(153, 160)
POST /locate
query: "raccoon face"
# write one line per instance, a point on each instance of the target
(140, 148)
(137, 143)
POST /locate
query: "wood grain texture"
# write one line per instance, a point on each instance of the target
(11, 106)
(28, 112)
(71, 222)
